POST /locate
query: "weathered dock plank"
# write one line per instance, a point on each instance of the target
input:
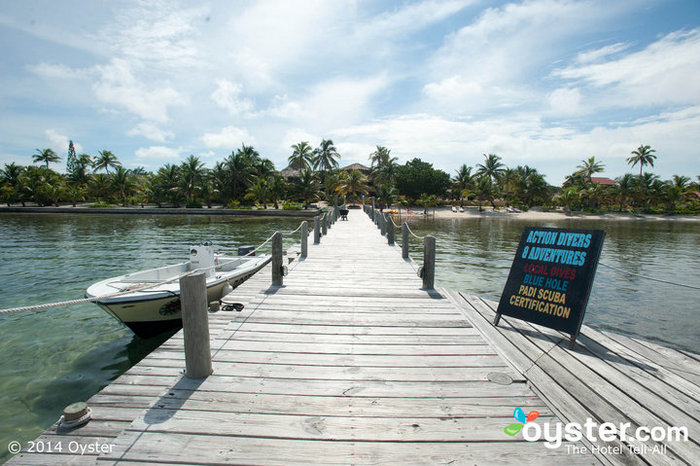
(607, 378)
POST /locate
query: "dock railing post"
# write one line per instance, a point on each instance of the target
(404, 241)
(277, 279)
(429, 262)
(317, 230)
(304, 239)
(390, 230)
(325, 224)
(382, 223)
(374, 218)
(195, 325)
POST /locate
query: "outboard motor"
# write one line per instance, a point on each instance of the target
(202, 257)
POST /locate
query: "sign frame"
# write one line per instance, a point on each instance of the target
(570, 255)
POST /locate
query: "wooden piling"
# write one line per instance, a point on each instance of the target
(195, 324)
(429, 262)
(317, 230)
(304, 239)
(277, 278)
(390, 230)
(404, 241)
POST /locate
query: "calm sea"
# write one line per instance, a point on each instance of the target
(51, 358)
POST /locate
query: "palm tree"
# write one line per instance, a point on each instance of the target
(277, 186)
(492, 168)
(590, 167)
(106, 159)
(386, 195)
(624, 188)
(385, 171)
(239, 173)
(379, 156)
(326, 156)
(192, 173)
(462, 181)
(10, 180)
(46, 156)
(307, 187)
(353, 184)
(302, 157)
(123, 183)
(643, 155)
(260, 191)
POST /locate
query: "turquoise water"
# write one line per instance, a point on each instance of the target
(51, 358)
(474, 255)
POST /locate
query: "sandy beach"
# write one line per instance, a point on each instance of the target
(535, 215)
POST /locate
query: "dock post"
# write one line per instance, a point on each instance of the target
(390, 230)
(277, 279)
(195, 325)
(429, 263)
(304, 239)
(317, 230)
(382, 223)
(325, 224)
(374, 218)
(404, 241)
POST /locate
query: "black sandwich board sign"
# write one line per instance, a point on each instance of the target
(551, 278)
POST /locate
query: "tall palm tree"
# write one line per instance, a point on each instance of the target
(10, 180)
(278, 187)
(106, 159)
(308, 186)
(643, 155)
(239, 173)
(192, 173)
(326, 156)
(462, 182)
(123, 183)
(260, 191)
(492, 168)
(385, 171)
(353, 184)
(302, 157)
(379, 156)
(46, 156)
(590, 167)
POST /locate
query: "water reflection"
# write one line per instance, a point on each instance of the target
(474, 255)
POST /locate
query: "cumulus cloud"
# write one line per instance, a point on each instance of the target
(664, 72)
(565, 101)
(151, 131)
(156, 155)
(119, 87)
(228, 95)
(59, 143)
(228, 138)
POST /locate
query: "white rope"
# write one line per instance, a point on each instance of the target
(648, 277)
(292, 232)
(120, 293)
(411, 232)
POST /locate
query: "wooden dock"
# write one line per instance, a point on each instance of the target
(351, 362)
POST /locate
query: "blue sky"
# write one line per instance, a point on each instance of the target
(544, 83)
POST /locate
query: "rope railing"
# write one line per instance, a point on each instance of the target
(130, 290)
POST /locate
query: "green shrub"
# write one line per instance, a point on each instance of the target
(100, 205)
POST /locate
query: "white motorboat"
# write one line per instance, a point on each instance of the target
(154, 304)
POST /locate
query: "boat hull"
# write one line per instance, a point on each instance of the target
(147, 317)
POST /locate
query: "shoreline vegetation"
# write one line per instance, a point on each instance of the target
(247, 182)
(470, 212)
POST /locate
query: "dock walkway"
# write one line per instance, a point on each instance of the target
(350, 362)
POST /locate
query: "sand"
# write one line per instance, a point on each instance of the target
(535, 215)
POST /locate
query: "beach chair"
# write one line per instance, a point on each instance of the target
(344, 214)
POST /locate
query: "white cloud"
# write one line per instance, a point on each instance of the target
(665, 72)
(118, 87)
(596, 55)
(55, 71)
(332, 104)
(59, 142)
(229, 138)
(228, 95)
(151, 131)
(156, 155)
(565, 101)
